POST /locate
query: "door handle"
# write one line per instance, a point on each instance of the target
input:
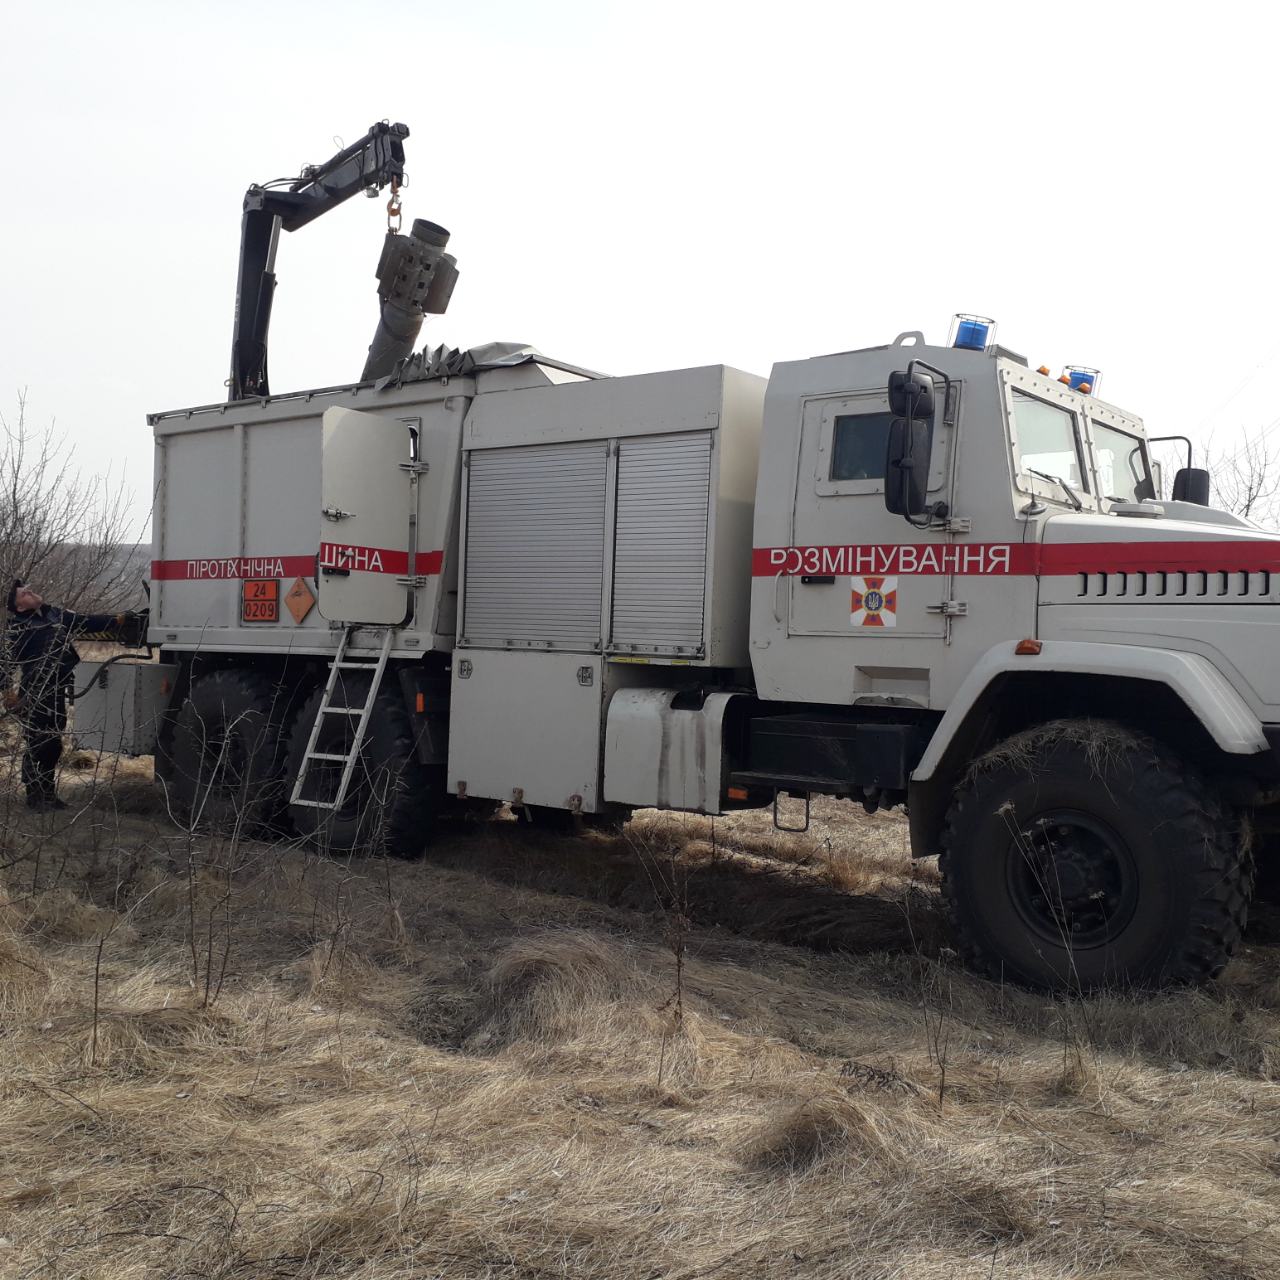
(777, 614)
(818, 579)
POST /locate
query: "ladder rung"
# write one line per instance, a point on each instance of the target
(375, 664)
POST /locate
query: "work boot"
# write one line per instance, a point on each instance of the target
(45, 804)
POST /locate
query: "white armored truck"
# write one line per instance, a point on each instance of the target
(913, 575)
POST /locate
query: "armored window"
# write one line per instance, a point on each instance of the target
(1121, 460)
(1048, 441)
(860, 442)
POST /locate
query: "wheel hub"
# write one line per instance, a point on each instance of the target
(1072, 878)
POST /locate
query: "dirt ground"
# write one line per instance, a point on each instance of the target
(693, 1049)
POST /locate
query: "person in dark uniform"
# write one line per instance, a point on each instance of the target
(39, 649)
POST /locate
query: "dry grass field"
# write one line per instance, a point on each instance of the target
(694, 1049)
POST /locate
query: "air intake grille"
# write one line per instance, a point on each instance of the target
(1175, 585)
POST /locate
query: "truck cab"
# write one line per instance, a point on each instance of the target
(853, 605)
(970, 597)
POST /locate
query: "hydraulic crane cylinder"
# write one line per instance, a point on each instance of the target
(415, 279)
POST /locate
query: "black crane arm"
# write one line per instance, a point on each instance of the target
(367, 165)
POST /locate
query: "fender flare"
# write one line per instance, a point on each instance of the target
(1203, 689)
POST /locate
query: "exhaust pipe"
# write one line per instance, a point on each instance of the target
(415, 279)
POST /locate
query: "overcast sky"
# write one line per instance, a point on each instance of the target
(643, 186)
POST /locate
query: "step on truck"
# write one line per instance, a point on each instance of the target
(920, 576)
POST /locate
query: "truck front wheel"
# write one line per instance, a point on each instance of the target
(1080, 855)
(392, 799)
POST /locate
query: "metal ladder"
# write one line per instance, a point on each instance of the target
(341, 662)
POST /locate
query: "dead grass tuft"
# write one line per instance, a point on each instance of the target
(62, 916)
(161, 1036)
(22, 974)
(543, 987)
(1104, 743)
(821, 1128)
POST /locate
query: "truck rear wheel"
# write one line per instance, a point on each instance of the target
(226, 759)
(1080, 855)
(392, 800)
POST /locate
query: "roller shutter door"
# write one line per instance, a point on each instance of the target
(535, 546)
(659, 584)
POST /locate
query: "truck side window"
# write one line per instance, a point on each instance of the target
(859, 444)
(1121, 460)
(1048, 440)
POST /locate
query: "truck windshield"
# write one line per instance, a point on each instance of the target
(1124, 472)
(1048, 443)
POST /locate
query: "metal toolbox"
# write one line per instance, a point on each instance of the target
(122, 707)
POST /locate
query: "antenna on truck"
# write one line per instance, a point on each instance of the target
(289, 203)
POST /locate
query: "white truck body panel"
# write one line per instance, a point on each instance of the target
(1197, 682)
(613, 517)
(1171, 584)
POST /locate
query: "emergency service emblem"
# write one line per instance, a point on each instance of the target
(874, 602)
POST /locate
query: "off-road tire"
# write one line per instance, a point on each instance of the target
(393, 800)
(225, 753)
(1187, 869)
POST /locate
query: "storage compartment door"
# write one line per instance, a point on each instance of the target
(535, 535)
(525, 727)
(660, 567)
(364, 524)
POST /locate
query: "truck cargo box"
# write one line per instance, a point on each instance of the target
(239, 527)
(613, 517)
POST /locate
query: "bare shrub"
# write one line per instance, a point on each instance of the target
(59, 528)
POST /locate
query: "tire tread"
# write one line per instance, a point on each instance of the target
(1223, 881)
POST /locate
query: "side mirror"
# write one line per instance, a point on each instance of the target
(1191, 484)
(911, 395)
(906, 470)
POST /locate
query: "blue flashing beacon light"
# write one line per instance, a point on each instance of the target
(972, 333)
(1080, 378)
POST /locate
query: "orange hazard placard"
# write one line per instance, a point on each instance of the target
(260, 600)
(299, 600)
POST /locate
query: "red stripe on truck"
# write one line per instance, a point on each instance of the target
(1015, 558)
(893, 557)
(331, 555)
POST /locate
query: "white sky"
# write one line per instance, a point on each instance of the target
(643, 186)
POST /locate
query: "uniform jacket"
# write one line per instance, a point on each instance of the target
(39, 648)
